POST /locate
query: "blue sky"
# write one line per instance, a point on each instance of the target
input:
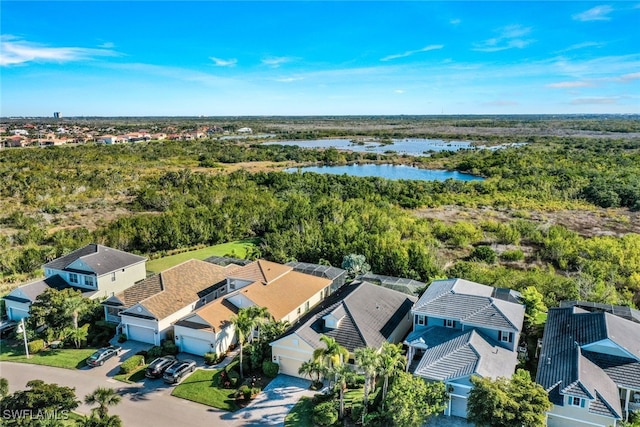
(133, 58)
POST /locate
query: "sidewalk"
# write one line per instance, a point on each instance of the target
(230, 356)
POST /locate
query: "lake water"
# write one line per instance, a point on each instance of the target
(409, 146)
(389, 172)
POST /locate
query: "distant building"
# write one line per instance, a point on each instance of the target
(57, 115)
(245, 130)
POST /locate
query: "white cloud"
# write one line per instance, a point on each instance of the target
(107, 45)
(509, 37)
(275, 62)
(598, 13)
(412, 52)
(223, 62)
(630, 77)
(398, 91)
(289, 79)
(595, 101)
(568, 85)
(15, 51)
(581, 46)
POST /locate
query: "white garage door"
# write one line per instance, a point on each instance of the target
(289, 366)
(194, 345)
(458, 407)
(138, 333)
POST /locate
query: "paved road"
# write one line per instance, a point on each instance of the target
(151, 403)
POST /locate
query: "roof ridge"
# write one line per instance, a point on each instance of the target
(493, 300)
(262, 271)
(357, 328)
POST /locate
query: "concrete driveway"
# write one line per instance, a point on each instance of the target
(271, 406)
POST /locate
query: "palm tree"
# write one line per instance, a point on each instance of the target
(333, 355)
(74, 306)
(311, 367)
(391, 362)
(343, 374)
(104, 397)
(369, 360)
(245, 322)
(108, 421)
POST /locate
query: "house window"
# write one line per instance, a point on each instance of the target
(232, 285)
(450, 323)
(73, 278)
(575, 401)
(113, 276)
(306, 306)
(88, 280)
(420, 320)
(505, 336)
(299, 310)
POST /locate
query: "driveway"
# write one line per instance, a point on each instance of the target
(271, 406)
(151, 403)
(442, 421)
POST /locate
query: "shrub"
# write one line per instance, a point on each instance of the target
(270, 368)
(244, 392)
(325, 414)
(356, 412)
(210, 358)
(255, 390)
(515, 255)
(154, 352)
(234, 377)
(35, 346)
(483, 254)
(122, 338)
(169, 347)
(131, 364)
(355, 381)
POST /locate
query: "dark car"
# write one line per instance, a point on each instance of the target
(98, 358)
(158, 366)
(7, 328)
(178, 370)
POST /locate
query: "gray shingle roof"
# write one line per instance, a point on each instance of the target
(623, 371)
(470, 303)
(562, 362)
(34, 289)
(454, 354)
(369, 315)
(101, 259)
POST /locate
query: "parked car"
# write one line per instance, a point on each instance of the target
(178, 370)
(158, 366)
(99, 357)
(7, 328)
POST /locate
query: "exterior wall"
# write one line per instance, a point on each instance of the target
(165, 324)
(401, 330)
(16, 310)
(240, 301)
(110, 317)
(573, 416)
(82, 281)
(493, 334)
(291, 349)
(124, 278)
(235, 284)
(313, 301)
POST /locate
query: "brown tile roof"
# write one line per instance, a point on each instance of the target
(217, 313)
(181, 286)
(261, 271)
(284, 294)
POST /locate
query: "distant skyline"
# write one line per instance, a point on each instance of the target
(216, 58)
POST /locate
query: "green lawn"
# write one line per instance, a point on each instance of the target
(69, 358)
(199, 387)
(300, 415)
(132, 377)
(238, 249)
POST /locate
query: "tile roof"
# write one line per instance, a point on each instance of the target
(101, 259)
(217, 314)
(563, 363)
(452, 353)
(136, 293)
(285, 289)
(470, 303)
(261, 271)
(369, 314)
(182, 285)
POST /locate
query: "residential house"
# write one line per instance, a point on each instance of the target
(336, 275)
(97, 271)
(154, 305)
(460, 329)
(110, 139)
(357, 315)
(245, 130)
(590, 364)
(286, 293)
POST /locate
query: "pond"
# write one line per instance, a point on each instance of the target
(389, 172)
(410, 146)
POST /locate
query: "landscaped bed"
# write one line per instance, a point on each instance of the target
(69, 358)
(132, 377)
